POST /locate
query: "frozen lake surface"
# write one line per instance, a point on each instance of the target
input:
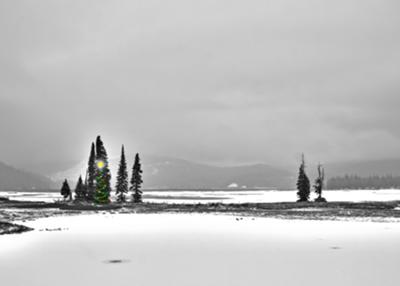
(230, 196)
(186, 250)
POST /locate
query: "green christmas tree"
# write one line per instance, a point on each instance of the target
(80, 191)
(66, 190)
(136, 180)
(122, 178)
(303, 183)
(91, 175)
(103, 175)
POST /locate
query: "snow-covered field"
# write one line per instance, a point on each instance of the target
(182, 249)
(230, 196)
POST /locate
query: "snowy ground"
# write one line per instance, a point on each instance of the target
(233, 196)
(182, 249)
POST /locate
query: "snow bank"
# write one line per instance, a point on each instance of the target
(133, 249)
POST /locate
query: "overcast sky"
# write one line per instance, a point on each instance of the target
(215, 81)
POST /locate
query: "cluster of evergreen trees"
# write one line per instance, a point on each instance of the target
(303, 183)
(97, 185)
(355, 182)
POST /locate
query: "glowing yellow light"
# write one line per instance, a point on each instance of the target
(100, 164)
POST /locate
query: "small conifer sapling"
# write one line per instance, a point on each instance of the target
(303, 183)
(66, 191)
(80, 191)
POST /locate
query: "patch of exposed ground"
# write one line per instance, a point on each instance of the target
(10, 228)
(18, 211)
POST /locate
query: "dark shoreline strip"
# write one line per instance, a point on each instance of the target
(10, 228)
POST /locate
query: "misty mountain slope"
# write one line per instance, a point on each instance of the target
(184, 174)
(165, 172)
(14, 179)
(47, 167)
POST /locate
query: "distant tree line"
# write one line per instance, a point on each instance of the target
(97, 185)
(356, 182)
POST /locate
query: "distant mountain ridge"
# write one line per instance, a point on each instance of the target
(165, 172)
(15, 179)
(172, 173)
(178, 173)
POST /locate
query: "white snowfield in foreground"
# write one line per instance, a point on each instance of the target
(204, 250)
(229, 196)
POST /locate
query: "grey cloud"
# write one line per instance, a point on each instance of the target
(215, 81)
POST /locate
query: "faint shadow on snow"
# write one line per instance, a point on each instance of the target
(116, 261)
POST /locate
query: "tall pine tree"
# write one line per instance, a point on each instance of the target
(80, 190)
(66, 190)
(91, 175)
(303, 183)
(122, 178)
(136, 180)
(103, 174)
